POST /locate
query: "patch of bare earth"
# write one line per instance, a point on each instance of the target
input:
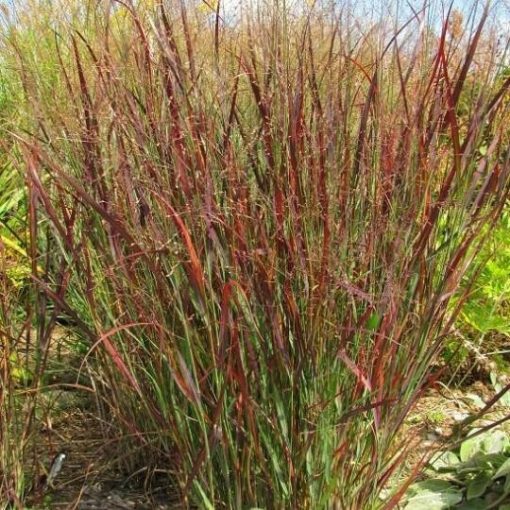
(89, 478)
(438, 416)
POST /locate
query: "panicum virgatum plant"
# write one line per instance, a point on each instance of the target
(260, 225)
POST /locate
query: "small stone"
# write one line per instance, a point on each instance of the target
(459, 416)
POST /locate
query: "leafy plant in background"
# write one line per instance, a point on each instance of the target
(474, 477)
(483, 326)
(488, 309)
(258, 230)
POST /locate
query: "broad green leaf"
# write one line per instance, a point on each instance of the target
(432, 495)
(482, 462)
(474, 504)
(444, 461)
(489, 442)
(433, 484)
(495, 442)
(470, 447)
(478, 486)
(433, 501)
(504, 470)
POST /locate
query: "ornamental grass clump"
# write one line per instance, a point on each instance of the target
(258, 227)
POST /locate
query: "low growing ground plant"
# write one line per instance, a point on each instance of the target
(257, 227)
(474, 477)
